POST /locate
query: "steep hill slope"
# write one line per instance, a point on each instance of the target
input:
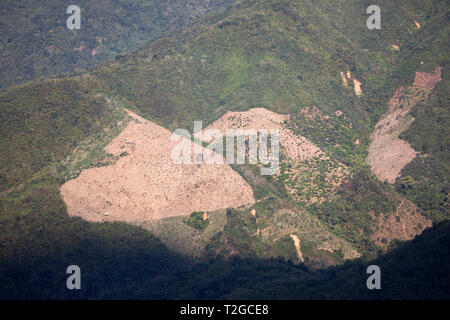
(274, 55)
(35, 41)
(290, 58)
(415, 270)
(281, 55)
(44, 121)
(144, 184)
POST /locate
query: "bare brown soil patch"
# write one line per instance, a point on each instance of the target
(144, 184)
(296, 147)
(404, 224)
(388, 154)
(303, 159)
(426, 80)
(389, 159)
(356, 83)
(395, 100)
(357, 86)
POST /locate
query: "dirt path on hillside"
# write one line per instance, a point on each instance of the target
(297, 247)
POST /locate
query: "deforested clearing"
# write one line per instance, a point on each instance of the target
(388, 154)
(302, 160)
(426, 80)
(403, 224)
(296, 147)
(144, 184)
(357, 85)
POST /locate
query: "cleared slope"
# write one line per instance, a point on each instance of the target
(144, 184)
(388, 154)
(301, 161)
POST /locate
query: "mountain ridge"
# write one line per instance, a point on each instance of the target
(285, 56)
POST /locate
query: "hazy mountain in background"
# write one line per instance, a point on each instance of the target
(35, 41)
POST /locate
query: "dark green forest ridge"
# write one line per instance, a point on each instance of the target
(281, 55)
(35, 41)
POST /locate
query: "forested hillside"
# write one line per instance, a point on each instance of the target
(286, 56)
(314, 61)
